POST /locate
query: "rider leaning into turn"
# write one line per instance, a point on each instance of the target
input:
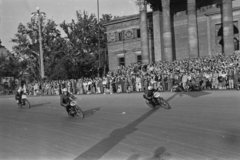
(65, 100)
(21, 90)
(148, 94)
(19, 94)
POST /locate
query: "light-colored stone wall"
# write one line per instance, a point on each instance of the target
(206, 19)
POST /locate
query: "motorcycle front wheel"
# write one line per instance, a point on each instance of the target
(27, 103)
(79, 111)
(164, 103)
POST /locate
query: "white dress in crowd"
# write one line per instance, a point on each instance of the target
(138, 84)
(35, 88)
(85, 86)
(69, 86)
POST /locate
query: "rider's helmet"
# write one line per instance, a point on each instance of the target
(150, 88)
(64, 90)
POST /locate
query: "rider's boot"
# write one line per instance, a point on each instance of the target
(149, 102)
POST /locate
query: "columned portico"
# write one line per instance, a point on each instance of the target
(228, 27)
(192, 29)
(185, 28)
(167, 33)
(144, 31)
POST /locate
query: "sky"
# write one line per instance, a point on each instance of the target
(13, 12)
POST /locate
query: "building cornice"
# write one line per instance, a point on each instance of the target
(125, 19)
(218, 12)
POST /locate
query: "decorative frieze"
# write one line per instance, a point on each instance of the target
(128, 34)
(124, 25)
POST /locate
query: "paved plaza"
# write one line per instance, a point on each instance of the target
(200, 125)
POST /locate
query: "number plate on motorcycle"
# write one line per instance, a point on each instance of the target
(24, 96)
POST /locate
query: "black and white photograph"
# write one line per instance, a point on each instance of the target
(119, 80)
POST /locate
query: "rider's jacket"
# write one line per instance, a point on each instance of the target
(65, 99)
(18, 95)
(149, 94)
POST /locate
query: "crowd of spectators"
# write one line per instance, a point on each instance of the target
(195, 74)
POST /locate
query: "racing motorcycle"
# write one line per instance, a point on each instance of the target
(75, 109)
(24, 102)
(158, 101)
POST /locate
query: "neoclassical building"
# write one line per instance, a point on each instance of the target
(174, 29)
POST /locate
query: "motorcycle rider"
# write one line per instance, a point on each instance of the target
(148, 95)
(19, 94)
(21, 90)
(65, 100)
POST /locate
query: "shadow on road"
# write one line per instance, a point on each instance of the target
(160, 154)
(102, 147)
(134, 157)
(194, 94)
(90, 112)
(41, 104)
(232, 138)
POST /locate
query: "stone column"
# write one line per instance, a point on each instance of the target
(192, 29)
(151, 46)
(144, 31)
(167, 33)
(157, 16)
(209, 36)
(228, 27)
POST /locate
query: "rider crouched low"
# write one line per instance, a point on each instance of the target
(65, 100)
(149, 95)
(19, 94)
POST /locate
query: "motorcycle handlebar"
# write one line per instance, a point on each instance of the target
(72, 97)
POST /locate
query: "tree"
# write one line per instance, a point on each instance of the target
(73, 56)
(83, 39)
(27, 45)
(7, 61)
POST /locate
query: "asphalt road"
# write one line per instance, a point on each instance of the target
(200, 125)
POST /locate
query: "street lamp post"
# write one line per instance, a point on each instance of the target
(40, 15)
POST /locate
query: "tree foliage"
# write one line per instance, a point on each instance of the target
(73, 56)
(11, 66)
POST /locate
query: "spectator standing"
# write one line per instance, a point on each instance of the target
(80, 83)
(170, 81)
(215, 80)
(138, 83)
(35, 89)
(133, 78)
(236, 74)
(99, 85)
(125, 84)
(231, 79)
(119, 84)
(74, 86)
(184, 81)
